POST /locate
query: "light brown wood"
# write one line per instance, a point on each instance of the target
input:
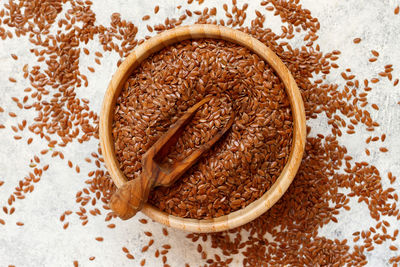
(131, 197)
(196, 31)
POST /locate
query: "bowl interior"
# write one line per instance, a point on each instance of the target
(197, 31)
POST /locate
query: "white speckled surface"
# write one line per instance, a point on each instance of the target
(42, 240)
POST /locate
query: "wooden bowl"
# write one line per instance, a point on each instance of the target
(197, 31)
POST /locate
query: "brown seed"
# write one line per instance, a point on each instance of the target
(100, 239)
(146, 17)
(165, 231)
(357, 40)
(148, 233)
(375, 53)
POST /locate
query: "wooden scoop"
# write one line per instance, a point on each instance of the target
(130, 198)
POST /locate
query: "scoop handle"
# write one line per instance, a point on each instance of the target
(130, 198)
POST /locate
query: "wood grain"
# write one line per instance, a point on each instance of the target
(196, 31)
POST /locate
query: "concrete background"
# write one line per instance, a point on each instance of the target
(42, 240)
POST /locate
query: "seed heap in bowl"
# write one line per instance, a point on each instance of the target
(245, 163)
(208, 120)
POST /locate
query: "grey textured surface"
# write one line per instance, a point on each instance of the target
(43, 242)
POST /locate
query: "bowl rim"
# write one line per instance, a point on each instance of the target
(198, 31)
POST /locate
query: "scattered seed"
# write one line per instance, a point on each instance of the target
(375, 106)
(143, 221)
(165, 231)
(375, 53)
(148, 233)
